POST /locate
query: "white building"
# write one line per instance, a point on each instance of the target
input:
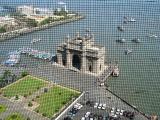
(62, 6)
(27, 10)
(7, 21)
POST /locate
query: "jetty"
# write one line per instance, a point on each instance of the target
(111, 70)
(36, 53)
(13, 59)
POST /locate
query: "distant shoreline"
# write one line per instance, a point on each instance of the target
(27, 30)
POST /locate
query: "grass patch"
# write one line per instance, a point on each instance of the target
(26, 86)
(15, 116)
(52, 101)
(2, 108)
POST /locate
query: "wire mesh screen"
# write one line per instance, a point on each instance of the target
(79, 59)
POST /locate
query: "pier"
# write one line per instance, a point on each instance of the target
(111, 70)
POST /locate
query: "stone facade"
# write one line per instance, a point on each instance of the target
(82, 53)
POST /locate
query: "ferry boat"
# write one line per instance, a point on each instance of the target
(13, 59)
(115, 72)
(35, 40)
(128, 51)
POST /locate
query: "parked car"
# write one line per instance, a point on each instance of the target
(78, 106)
(87, 114)
(104, 106)
(83, 118)
(121, 112)
(96, 105)
(100, 106)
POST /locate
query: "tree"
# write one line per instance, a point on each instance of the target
(2, 30)
(14, 77)
(30, 104)
(24, 73)
(7, 76)
(45, 21)
(67, 118)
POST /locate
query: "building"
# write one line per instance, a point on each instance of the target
(26, 10)
(62, 6)
(7, 21)
(82, 53)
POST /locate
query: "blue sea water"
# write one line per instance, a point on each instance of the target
(139, 80)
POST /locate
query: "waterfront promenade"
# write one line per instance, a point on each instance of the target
(82, 82)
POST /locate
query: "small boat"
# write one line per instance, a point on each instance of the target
(153, 36)
(136, 40)
(35, 40)
(127, 19)
(128, 51)
(120, 28)
(121, 41)
(131, 20)
(115, 72)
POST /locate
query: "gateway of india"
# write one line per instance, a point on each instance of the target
(82, 54)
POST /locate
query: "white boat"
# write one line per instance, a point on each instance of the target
(153, 36)
(127, 19)
(131, 20)
(35, 40)
(121, 40)
(128, 51)
(136, 40)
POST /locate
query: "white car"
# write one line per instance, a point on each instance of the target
(118, 110)
(113, 109)
(83, 118)
(87, 114)
(100, 106)
(95, 105)
(78, 106)
(115, 116)
(104, 106)
(121, 112)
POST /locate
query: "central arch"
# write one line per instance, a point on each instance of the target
(76, 62)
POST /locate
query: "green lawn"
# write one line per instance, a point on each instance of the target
(52, 101)
(15, 116)
(2, 108)
(25, 86)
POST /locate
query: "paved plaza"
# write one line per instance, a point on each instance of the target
(82, 82)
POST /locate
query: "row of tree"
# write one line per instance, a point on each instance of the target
(8, 77)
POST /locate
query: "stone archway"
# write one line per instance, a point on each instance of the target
(90, 65)
(76, 61)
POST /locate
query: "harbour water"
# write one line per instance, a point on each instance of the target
(139, 79)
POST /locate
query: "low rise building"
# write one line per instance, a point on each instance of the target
(27, 10)
(7, 21)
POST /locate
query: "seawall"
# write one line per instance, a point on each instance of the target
(16, 33)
